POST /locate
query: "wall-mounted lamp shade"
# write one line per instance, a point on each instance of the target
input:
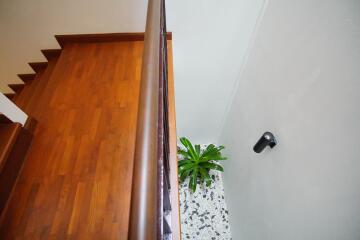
(267, 139)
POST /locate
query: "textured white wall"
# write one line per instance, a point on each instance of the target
(29, 26)
(210, 40)
(301, 82)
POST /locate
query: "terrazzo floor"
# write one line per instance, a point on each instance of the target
(204, 215)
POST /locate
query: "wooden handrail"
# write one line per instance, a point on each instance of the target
(154, 212)
(144, 197)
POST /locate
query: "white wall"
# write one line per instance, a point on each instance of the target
(29, 26)
(210, 40)
(302, 82)
(11, 111)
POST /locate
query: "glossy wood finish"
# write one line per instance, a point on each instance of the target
(174, 181)
(30, 124)
(102, 37)
(8, 135)
(17, 141)
(76, 181)
(51, 54)
(150, 201)
(144, 218)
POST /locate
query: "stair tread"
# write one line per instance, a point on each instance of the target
(9, 95)
(8, 135)
(51, 53)
(16, 87)
(38, 66)
(33, 91)
(22, 99)
(27, 77)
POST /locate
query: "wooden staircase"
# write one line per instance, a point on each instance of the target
(53, 54)
(14, 143)
(103, 161)
(76, 181)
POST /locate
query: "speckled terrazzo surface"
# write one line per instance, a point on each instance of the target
(204, 215)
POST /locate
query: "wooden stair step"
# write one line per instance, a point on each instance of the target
(102, 37)
(51, 53)
(9, 95)
(27, 77)
(22, 99)
(17, 87)
(28, 98)
(38, 66)
(14, 144)
(8, 135)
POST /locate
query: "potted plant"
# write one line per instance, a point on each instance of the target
(196, 162)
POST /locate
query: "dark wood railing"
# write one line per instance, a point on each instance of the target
(150, 201)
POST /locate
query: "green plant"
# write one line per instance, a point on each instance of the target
(196, 162)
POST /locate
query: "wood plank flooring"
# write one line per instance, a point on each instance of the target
(76, 180)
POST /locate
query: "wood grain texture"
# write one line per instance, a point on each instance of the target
(8, 135)
(146, 209)
(28, 98)
(76, 181)
(102, 37)
(174, 181)
(13, 161)
(30, 124)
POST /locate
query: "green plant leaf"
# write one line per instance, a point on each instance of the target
(184, 153)
(211, 150)
(208, 148)
(205, 177)
(216, 158)
(185, 161)
(196, 162)
(219, 148)
(193, 180)
(187, 144)
(186, 167)
(185, 174)
(197, 149)
(212, 166)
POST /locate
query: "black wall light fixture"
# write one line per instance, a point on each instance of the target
(267, 139)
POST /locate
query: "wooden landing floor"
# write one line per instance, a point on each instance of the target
(76, 180)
